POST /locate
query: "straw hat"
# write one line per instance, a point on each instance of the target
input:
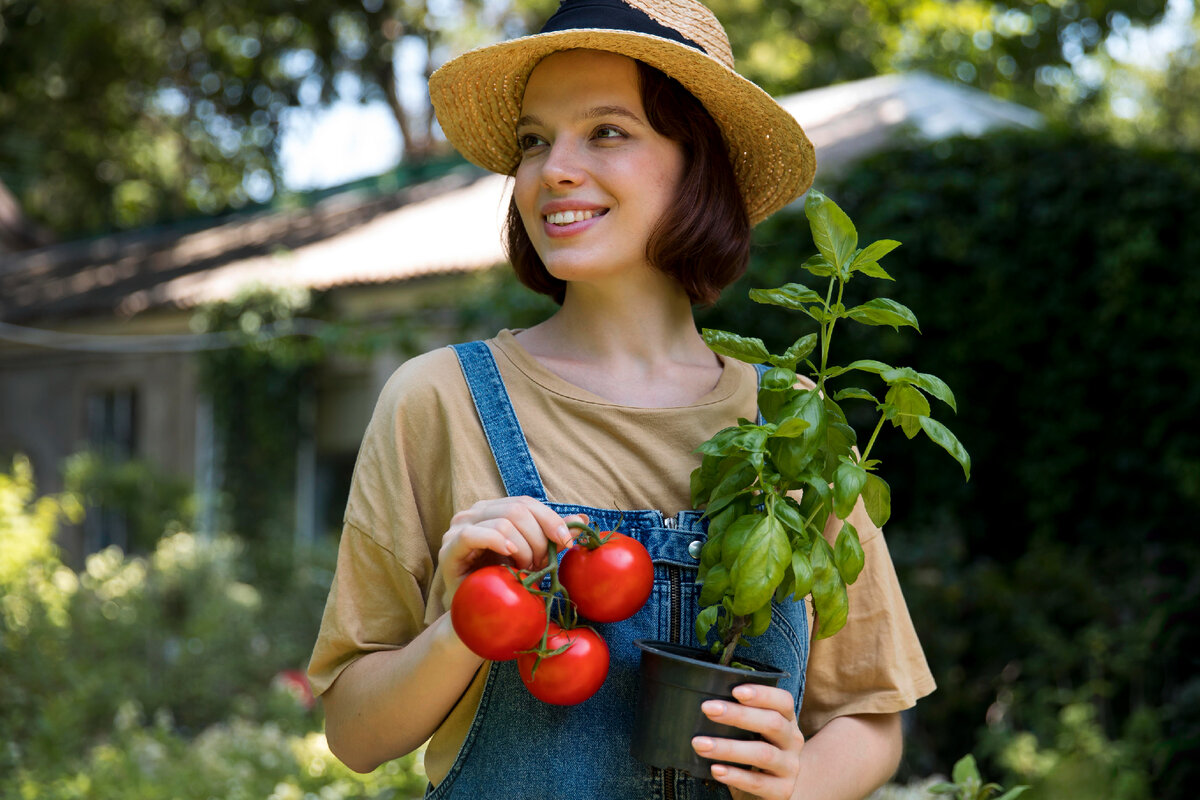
(477, 96)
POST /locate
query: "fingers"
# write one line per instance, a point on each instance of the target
(517, 528)
(770, 766)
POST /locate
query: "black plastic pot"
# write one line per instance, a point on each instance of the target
(675, 680)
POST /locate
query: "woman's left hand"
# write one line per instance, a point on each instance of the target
(773, 765)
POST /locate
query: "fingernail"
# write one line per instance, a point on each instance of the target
(713, 708)
(511, 548)
(702, 744)
(564, 536)
(719, 770)
(743, 693)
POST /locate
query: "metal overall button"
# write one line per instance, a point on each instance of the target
(694, 549)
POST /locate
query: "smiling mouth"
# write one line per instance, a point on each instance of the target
(568, 217)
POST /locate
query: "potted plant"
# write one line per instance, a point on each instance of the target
(769, 487)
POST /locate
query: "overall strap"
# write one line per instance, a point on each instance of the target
(761, 369)
(500, 425)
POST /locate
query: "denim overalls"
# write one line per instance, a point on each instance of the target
(519, 748)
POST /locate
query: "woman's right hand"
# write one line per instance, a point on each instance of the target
(518, 529)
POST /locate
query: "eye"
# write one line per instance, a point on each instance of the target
(609, 132)
(528, 141)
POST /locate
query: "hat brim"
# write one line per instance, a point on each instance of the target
(477, 98)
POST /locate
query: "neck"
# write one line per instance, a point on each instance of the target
(632, 325)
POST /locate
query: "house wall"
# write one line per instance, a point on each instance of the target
(44, 396)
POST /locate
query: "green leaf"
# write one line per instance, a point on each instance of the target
(829, 592)
(795, 296)
(759, 567)
(866, 260)
(1014, 792)
(832, 231)
(965, 769)
(705, 477)
(718, 521)
(872, 269)
(848, 553)
(778, 379)
(819, 267)
(739, 477)
(710, 553)
(790, 428)
(877, 497)
(715, 586)
(882, 311)
(848, 482)
(760, 620)
(862, 365)
(817, 502)
(735, 538)
(800, 349)
(910, 405)
(854, 393)
(948, 442)
(736, 441)
(788, 512)
(803, 572)
(705, 620)
(936, 387)
(897, 375)
(743, 348)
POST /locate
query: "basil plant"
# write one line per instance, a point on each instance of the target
(769, 490)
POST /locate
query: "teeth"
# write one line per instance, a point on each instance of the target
(567, 217)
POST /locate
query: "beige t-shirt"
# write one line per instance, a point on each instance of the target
(424, 457)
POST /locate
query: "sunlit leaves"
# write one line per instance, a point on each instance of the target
(771, 490)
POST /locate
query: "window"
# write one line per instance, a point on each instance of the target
(110, 426)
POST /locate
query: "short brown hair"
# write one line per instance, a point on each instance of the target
(703, 240)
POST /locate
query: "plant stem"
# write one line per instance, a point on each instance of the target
(874, 435)
(735, 633)
(826, 332)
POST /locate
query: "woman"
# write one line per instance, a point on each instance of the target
(640, 161)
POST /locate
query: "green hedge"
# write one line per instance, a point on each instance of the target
(1057, 280)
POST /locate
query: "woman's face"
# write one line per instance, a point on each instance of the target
(595, 178)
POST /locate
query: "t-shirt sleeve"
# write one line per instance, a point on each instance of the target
(875, 664)
(393, 523)
(355, 622)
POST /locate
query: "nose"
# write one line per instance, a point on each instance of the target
(563, 165)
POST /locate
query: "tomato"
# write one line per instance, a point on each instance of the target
(495, 615)
(573, 675)
(612, 581)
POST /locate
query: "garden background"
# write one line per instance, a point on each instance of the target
(1054, 273)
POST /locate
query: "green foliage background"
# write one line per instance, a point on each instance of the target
(142, 678)
(1054, 277)
(119, 115)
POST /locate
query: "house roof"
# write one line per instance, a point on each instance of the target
(451, 224)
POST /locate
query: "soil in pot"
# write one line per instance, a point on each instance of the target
(675, 680)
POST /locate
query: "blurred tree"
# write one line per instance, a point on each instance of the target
(1012, 48)
(124, 114)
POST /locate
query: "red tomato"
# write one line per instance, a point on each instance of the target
(573, 675)
(611, 582)
(495, 615)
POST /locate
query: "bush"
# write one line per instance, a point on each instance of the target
(1054, 277)
(149, 501)
(178, 636)
(234, 760)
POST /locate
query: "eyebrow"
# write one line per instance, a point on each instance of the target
(591, 113)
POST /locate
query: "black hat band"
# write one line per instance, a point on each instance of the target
(610, 15)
